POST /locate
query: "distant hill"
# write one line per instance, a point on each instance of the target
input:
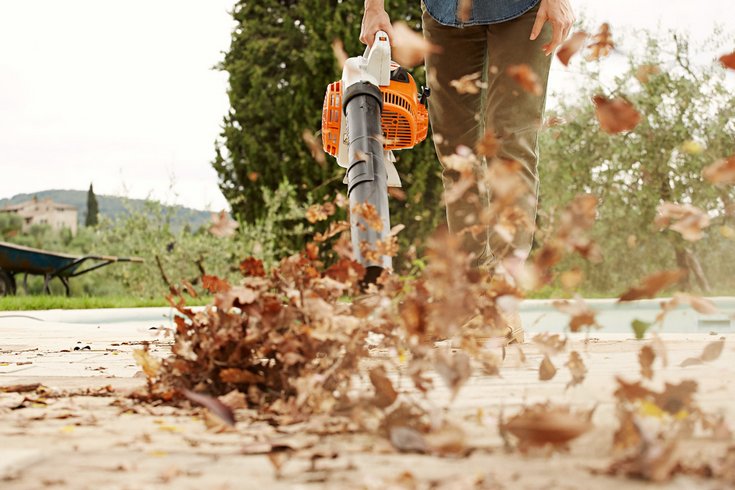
(113, 207)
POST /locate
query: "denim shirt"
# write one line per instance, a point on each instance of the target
(483, 11)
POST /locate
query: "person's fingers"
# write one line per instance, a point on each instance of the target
(540, 20)
(556, 37)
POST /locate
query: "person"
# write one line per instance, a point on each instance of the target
(484, 39)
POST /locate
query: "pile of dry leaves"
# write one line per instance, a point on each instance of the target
(298, 339)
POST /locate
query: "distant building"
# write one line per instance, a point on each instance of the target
(45, 212)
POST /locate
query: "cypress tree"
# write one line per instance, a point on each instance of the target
(279, 63)
(92, 208)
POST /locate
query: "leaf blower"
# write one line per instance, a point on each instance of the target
(374, 109)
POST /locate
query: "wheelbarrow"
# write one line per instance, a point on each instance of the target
(16, 260)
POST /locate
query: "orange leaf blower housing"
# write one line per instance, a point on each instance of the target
(404, 118)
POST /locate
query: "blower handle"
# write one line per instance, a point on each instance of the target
(377, 58)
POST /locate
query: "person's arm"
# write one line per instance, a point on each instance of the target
(374, 19)
(559, 14)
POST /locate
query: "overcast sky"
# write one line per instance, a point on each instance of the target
(122, 94)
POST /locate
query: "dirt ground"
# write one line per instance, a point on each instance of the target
(80, 430)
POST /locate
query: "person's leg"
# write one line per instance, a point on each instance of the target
(516, 116)
(456, 117)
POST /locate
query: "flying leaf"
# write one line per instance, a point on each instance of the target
(409, 47)
(615, 115)
(468, 84)
(447, 440)
(454, 369)
(315, 213)
(652, 284)
(721, 172)
(222, 225)
(546, 369)
(408, 440)
(646, 356)
(711, 352)
(464, 10)
(251, 266)
(315, 146)
(544, 424)
(385, 394)
(212, 404)
(215, 284)
(644, 73)
(686, 219)
(640, 328)
(728, 60)
(550, 344)
(338, 49)
(524, 76)
(576, 367)
(488, 145)
(149, 364)
(581, 314)
(571, 46)
(602, 43)
(239, 376)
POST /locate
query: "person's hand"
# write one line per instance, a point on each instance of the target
(374, 19)
(559, 14)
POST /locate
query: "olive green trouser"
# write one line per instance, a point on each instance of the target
(460, 119)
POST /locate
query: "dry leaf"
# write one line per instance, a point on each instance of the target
(315, 213)
(646, 356)
(728, 60)
(20, 388)
(338, 49)
(408, 440)
(544, 424)
(644, 73)
(212, 404)
(659, 348)
(222, 225)
(651, 285)
(571, 279)
(464, 10)
(448, 440)
(577, 369)
(686, 219)
(524, 76)
(711, 352)
(615, 115)
(468, 84)
(488, 145)
(149, 364)
(580, 313)
(315, 146)
(571, 46)
(721, 172)
(215, 284)
(409, 47)
(550, 344)
(546, 369)
(369, 213)
(601, 44)
(454, 369)
(385, 394)
(251, 266)
(239, 376)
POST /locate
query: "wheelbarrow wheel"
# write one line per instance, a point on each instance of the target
(7, 284)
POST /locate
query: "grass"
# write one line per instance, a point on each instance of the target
(44, 302)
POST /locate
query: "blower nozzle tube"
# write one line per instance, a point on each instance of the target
(366, 174)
